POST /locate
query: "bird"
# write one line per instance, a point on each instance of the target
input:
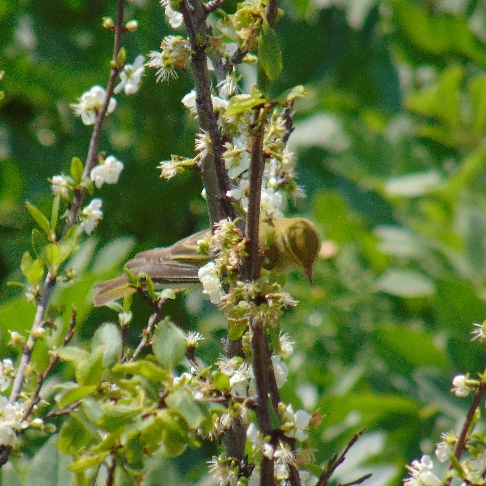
(286, 243)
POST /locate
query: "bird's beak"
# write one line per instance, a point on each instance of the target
(308, 272)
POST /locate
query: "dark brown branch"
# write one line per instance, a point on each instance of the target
(271, 13)
(213, 172)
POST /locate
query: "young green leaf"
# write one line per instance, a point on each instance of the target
(169, 344)
(39, 218)
(55, 211)
(269, 52)
(77, 169)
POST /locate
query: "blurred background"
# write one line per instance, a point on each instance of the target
(391, 152)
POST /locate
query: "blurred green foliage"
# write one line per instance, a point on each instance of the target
(391, 151)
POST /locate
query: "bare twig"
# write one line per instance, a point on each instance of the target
(326, 475)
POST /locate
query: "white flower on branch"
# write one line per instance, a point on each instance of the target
(280, 369)
(11, 421)
(91, 103)
(208, 275)
(236, 157)
(108, 172)
(421, 473)
(62, 184)
(131, 76)
(91, 214)
(175, 53)
(6, 374)
(461, 386)
(174, 17)
(293, 424)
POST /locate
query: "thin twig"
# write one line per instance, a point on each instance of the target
(326, 475)
(54, 359)
(462, 439)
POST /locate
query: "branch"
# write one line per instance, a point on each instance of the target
(54, 359)
(213, 172)
(462, 439)
(326, 475)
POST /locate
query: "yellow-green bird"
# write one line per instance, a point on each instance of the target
(286, 242)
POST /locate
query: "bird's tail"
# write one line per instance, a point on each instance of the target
(112, 290)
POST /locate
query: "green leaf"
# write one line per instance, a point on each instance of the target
(239, 104)
(88, 461)
(71, 392)
(39, 218)
(55, 211)
(52, 255)
(69, 242)
(73, 436)
(32, 269)
(174, 431)
(405, 283)
(144, 368)
(108, 338)
(169, 344)
(39, 242)
(180, 401)
(87, 366)
(292, 94)
(77, 169)
(269, 52)
(221, 382)
(116, 416)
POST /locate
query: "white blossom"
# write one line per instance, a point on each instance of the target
(293, 424)
(168, 169)
(131, 76)
(421, 473)
(6, 374)
(189, 101)
(460, 386)
(208, 275)
(480, 332)
(90, 104)
(92, 214)
(62, 184)
(10, 421)
(109, 172)
(236, 157)
(174, 17)
(286, 348)
(271, 202)
(280, 369)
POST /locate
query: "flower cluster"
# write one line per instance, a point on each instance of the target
(11, 421)
(175, 53)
